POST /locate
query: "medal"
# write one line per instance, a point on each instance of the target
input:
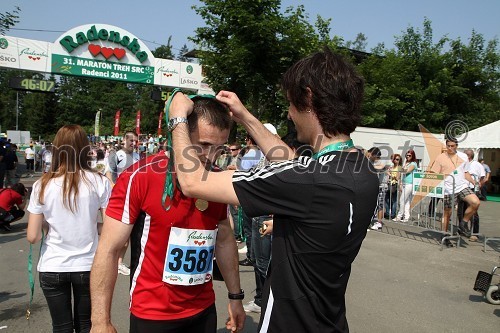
(201, 205)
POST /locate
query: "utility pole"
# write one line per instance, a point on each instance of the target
(17, 111)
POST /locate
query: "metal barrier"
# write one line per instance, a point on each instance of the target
(427, 197)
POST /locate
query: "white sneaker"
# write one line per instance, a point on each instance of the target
(251, 307)
(124, 270)
(243, 250)
(397, 219)
(376, 226)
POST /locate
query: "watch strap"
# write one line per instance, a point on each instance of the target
(240, 295)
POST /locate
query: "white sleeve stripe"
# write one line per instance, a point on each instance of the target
(269, 170)
(126, 210)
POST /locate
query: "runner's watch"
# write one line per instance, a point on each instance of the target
(172, 123)
(240, 295)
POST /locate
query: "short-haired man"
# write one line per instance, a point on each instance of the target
(171, 280)
(123, 158)
(118, 162)
(476, 170)
(455, 166)
(322, 205)
(373, 154)
(486, 179)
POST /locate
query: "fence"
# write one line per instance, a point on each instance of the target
(424, 198)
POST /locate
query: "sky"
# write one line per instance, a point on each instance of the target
(154, 21)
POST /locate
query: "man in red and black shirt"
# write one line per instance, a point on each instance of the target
(171, 281)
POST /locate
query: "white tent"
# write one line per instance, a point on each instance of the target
(484, 137)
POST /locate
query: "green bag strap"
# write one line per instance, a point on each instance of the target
(240, 224)
(30, 275)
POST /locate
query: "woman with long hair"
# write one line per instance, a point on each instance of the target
(64, 207)
(409, 168)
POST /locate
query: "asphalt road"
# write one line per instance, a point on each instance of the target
(400, 281)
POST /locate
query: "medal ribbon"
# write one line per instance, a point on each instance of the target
(170, 184)
(344, 145)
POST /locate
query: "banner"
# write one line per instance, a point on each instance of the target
(97, 123)
(428, 184)
(138, 123)
(160, 118)
(25, 54)
(117, 123)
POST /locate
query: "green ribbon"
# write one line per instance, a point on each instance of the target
(170, 186)
(30, 275)
(339, 146)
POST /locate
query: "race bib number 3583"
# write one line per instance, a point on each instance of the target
(189, 256)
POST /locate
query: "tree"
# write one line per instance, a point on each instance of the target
(164, 51)
(8, 20)
(182, 52)
(246, 46)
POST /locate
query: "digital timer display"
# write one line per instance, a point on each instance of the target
(32, 84)
(157, 95)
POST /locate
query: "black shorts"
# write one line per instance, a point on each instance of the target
(203, 322)
(457, 196)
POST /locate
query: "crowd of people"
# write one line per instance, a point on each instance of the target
(302, 205)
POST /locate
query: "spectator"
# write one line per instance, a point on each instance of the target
(477, 172)
(487, 177)
(409, 168)
(373, 156)
(455, 166)
(261, 246)
(12, 203)
(63, 214)
(29, 155)
(117, 163)
(2, 161)
(10, 160)
(391, 198)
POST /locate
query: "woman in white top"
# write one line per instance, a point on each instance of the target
(63, 207)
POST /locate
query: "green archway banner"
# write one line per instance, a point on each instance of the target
(99, 51)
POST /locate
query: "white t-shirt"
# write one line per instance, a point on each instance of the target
(30, 153)
(71, 242)
(458, 174)
(476, 170)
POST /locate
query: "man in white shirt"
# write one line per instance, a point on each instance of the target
(117, 163)
(477, 172)
(30, 159)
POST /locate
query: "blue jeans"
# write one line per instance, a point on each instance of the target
(261, 247)
(234, 214)
(57, 291)
(247, 232)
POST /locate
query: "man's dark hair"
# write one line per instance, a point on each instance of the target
(336, 91)
(375, 151)
(212, 111)
(19, 188)
(451, 139)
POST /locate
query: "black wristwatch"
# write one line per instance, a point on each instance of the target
(240, 295)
